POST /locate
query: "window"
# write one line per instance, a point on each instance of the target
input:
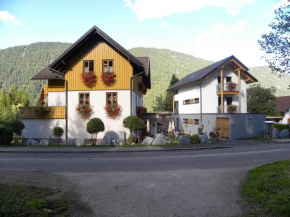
(219, 79)
(185, 121)
(229, 79)
(175, 92)
(229, 100)
(196, 121)
(108, 66)
(84, 98)
(191, 101)
(88, 66)
(112, 98)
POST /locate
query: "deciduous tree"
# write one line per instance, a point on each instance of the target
(276, 43)
(262, 100)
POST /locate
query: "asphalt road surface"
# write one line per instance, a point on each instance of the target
(168, 183)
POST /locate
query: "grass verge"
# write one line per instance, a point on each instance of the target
(17, 200)
(267, 190)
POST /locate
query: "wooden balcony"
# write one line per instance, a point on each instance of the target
(228, 89)
(46, 112)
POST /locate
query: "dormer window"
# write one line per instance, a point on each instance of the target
(88, 66)
(108, 66)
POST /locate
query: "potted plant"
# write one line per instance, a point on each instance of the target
(232, 86)
(84, 110)
(232, 108)
(108, 78)
(113, 111)
(140, 111)
(41, 111)
(89, 79)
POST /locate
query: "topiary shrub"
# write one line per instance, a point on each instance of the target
(94, 126)
(194, 139)
(58, 132)
(133, 123)
(7, 136)
(17, 126)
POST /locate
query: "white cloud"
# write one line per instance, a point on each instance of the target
(163, 24)
(275, 7)
(224, 41)
(6, 17)
(146, 9)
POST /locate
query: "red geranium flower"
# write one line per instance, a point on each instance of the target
(113, 111)
(89, 79)
(108, 78)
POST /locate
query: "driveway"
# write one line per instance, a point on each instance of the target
(177, 183)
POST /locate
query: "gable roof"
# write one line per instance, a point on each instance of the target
(283, 103)
(202, 73)
(56, 69)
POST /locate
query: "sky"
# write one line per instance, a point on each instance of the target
(208, 29)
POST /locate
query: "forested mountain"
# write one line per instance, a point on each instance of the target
(19, 64)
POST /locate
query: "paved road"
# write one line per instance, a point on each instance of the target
(181, 183)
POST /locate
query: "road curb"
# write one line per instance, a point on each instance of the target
(112, 151)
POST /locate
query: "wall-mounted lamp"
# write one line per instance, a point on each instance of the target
(249, 117)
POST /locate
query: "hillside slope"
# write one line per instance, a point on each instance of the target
(19, 64)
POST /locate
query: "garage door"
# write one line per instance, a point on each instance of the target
(224, 125)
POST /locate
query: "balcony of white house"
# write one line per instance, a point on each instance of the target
(228, 109)
(43, 112)
(228, 88)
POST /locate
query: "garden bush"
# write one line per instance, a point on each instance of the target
(7, 136)
(58, 132)
(194, 139)
(133, 123)
(281, 127)
(94, 126)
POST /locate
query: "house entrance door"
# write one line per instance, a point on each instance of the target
(224, 125)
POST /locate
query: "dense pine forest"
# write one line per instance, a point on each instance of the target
(19, 64)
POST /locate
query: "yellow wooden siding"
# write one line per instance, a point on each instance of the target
(56, 85)
(53, 112)
(98, 52)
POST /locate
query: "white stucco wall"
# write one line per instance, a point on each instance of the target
(56, 99)
(41, 128)
(136, 101)
(77, 127)
(209, 96)
(286, 116)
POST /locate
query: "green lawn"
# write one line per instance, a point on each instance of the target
(19, 201)
(268, 190)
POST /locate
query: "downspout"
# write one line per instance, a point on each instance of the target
(200, 92)
(131, 79)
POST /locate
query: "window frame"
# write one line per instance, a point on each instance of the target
(88, 65)
(111, 93)
(84, 93)
(108, 65)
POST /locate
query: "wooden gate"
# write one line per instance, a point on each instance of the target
(224, 125)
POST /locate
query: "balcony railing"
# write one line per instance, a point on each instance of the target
(229, 87)
(45, 112)
(228, 109)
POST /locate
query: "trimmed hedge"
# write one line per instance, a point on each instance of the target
(281, 127)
